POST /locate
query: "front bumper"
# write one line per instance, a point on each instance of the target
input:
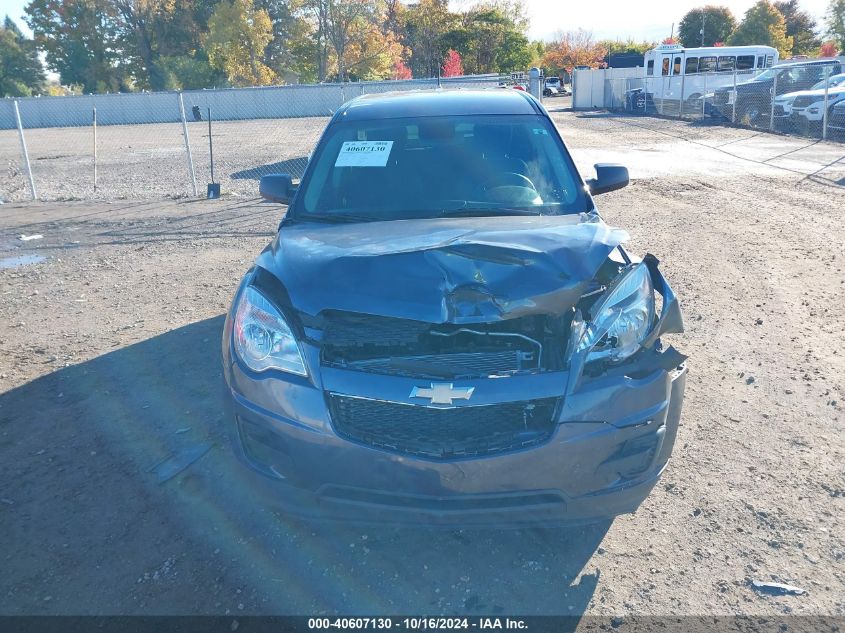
(613, 439)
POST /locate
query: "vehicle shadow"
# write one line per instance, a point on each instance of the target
(121, 496)
(293, 166)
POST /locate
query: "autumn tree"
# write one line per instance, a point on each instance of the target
(452, 64)
(345, 19)
(763, 24)
(21, 74)
(372, 52)
(800, 26)
(401, 70)
(718, 24)
(835, 22)
(828, 49)
(573, 48)
(237, 36)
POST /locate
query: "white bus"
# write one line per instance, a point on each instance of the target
(674, 73)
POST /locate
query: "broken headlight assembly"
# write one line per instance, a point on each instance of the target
(619, 321)
(263, 340)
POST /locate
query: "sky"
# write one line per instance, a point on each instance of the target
(614, 19)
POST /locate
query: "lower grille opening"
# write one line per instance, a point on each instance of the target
(460, 503)
(443, 433)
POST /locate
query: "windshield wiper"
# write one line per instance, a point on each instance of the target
(487, 211)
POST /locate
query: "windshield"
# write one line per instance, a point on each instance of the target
(833, 82)
(766, 75)
(426, 167)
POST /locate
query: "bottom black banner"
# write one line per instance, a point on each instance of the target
(310, 624)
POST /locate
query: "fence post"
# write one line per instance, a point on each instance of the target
(94, 122)
(774, 94)
(733, 110)
(826, 88)
(25, 152)
(682, 99)
(704, 98)
(188, 145)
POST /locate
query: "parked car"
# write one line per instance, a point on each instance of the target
(836, 119)
(552, 87)
(806, 107)
(754, 98)
(444, 329)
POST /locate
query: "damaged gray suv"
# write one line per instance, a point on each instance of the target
(445, 331)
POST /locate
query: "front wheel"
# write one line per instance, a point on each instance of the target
(750, 115)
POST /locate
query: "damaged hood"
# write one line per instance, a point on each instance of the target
(449, 270)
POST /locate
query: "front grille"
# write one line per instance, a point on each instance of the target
(802, 102)
(443, 433)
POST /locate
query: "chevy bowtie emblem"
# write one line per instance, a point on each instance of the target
(442, 392)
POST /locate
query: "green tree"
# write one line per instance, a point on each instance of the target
(81, 40)
(21, 73)
(835, 22)
(801, 27)
(490, 38)
(631, 46)
(237, 35)
(285, 54)
(763, 25)
(718, 24)
(423, 30)
(184, 72)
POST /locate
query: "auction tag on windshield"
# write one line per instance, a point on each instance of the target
(364, 154)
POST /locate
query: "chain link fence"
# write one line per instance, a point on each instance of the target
(159, 145)
(806, 99)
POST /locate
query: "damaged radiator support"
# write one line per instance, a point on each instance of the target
(403, 347)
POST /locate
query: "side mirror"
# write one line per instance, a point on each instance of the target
(609, 177)
(277, 188)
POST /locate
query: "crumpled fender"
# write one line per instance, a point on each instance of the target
(669, 321)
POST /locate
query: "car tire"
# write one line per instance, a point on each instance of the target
(751, 115)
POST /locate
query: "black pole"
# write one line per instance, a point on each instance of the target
(210, 146)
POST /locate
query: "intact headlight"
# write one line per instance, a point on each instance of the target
(621, 320)
(263, 340)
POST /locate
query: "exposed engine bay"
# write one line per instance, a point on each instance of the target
(404, 347)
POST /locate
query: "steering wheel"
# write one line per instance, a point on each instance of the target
(507, 179)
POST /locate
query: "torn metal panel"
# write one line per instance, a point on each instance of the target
(456, 270)
(670, 320)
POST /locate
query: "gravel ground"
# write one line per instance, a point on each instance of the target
(109, 364)
(136, 162)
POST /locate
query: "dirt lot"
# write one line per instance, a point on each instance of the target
(109, 364)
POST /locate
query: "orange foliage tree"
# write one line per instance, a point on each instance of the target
(401, 70)
(828, 49)
(574, 48)
(453, 65)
